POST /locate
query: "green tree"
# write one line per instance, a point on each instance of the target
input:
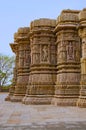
(6, 69)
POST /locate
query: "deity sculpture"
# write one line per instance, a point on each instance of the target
(45, 53)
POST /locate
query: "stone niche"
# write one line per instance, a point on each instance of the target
(50, 66)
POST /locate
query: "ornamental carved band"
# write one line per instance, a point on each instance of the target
(50, 65)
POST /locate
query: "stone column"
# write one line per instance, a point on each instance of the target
(68, 59)
(82, 33)
(14, 47)
(22, 64)
(43, 61)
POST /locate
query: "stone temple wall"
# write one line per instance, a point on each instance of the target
(50, 65)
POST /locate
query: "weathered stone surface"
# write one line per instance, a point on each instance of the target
(21, 40)
(82, 33)
(40, 89)
(68, 59)
(51, 61)
(14, 47)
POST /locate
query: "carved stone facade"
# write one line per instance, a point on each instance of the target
(68, 59)
(40, 89)
(50, 66)
(82, 33)
(21, 48)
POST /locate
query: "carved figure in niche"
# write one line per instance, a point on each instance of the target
(84, 48)
(59, 53)
(35, 48)
(21, 62)
(53, 59)
(63, 55)
(70, 52)
(21, 58)
(27, 58)
(37, 59)
(21, 54)
(45, 53)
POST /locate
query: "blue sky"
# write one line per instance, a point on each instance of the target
(19, 13)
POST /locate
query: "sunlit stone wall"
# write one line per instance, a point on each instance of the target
(50, 66)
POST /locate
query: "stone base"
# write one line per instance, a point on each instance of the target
(81, 102)
(11, 93)
(17, 98)
(65, 101)
(37, 100)
(7, 98)
(24, 100)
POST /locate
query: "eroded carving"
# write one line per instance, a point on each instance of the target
(70, 51)
(44, 53)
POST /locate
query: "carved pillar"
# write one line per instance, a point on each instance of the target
(23, 64)
(14, 47)
(43, 60)
(68, 59)
(82, 33)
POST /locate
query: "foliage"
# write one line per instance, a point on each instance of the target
(6, 69)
